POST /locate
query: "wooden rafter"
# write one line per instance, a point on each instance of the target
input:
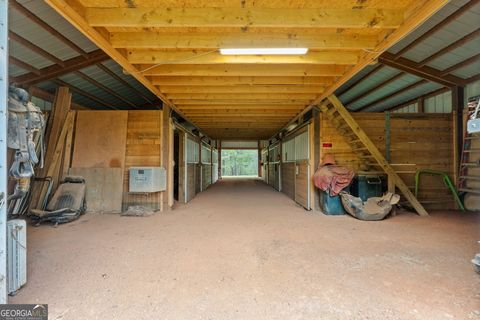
(142, 40)
(208, 57)
(123, 81)
(84, 93)
(55, 71)
(242, 17)
(396, 93)
(239, 80)
(30, 45)
(425, 72)
(27, 13)
(437, 27)
(104, 88)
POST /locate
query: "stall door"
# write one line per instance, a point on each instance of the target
(302, 170)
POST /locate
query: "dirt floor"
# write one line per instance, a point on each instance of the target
(241, 250)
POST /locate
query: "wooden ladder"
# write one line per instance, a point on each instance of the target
(365, 149)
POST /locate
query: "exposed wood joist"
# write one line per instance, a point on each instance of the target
(469, 37)
(84, 93)
(23, 65)
(425, 72)
(207, 102)
(396, 93)
(123, 81)
(240, 80)
(375, 88)
(462, 64)
(240, 96)
(145, 40)
(55, 71)
(167, 89)
(243, 17)
(30, 45)
(104, 88)
(193, 57)
(416, 99)
(437, 27)
(239, 107)
(44, 25)
(242, 70)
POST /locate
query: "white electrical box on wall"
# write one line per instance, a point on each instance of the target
(147, 179)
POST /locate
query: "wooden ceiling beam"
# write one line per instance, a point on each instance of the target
(437, 27)
(243, 17)
(200, 41)
(104, 88)
(242, 70)
(123, 82)
(240, 96)
(55, 71)
(242, 89)
(33, 47)
(469, 37)
(193, 57)
(396, 93)
(25, 66)
(203, 102)
(425, 72)
(221, 107)
(44, 25)
(240, 80)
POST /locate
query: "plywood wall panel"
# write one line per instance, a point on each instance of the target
(288, 179)
(100, 139)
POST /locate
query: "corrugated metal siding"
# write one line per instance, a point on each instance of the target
(412, 108)
(441, 103)
(472, 90)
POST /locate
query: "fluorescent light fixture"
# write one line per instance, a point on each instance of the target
(263, 51)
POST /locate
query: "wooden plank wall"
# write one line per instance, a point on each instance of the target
(206, 175)
(191, 181)
(143, 148)
(417, 141)
(301, 183)
(288, 179)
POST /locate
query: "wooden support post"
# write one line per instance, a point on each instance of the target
(421, 105)
(458, 103)
(219, 159)
(362, 136)
(166, 158)
(259, 161)
(316, 156)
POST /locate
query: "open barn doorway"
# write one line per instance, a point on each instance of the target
(239, 163)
